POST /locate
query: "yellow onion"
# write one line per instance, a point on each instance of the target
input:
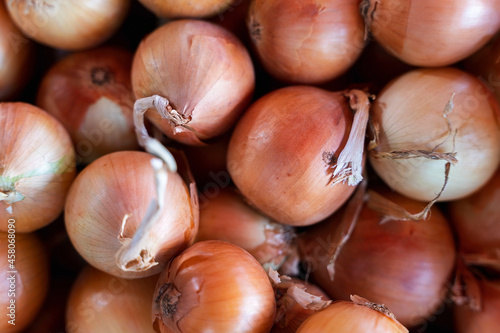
(427, 33)
(403, 264)
(296, 154)
(24, 279)
(181, 8)
(214, 286)
(360, 315)
(100, 302)
(306, 41)
(90, 93)
(202, 73)
(37, 166)
(124, 220)
(427, 120)
(68, 25)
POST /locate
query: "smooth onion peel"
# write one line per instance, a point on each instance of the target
(181, 8)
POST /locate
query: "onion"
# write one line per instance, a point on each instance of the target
(214, 286)
(90, 93)
(306, 41)
(283, 170)
(428, 120)
(403, 264)
(359, 315)
(99, 302)
(116, 222)
(429, 33)
(181, 8)
(24, 278)
(68, 25)
(201, 72)
(16, 56)
(37, 166)
(227, 217)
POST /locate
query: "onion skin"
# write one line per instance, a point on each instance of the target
(425, 93)
(120, 184)
(405, 265)
(68, 25)
(194, 295)
(91, 94)
(99, 302)
(430, 34)
(31, 281)
(184, 9)
(37, 166)
(306, 41)
(208, 78)
(278, 166)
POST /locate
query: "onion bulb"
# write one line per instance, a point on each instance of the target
(181, 8)
(360, 315)
(91, 94)
(429, 120)
(202, 73)
(24, 278)
(37, 166)
(213, 286)
(68, 25)
(124, 220)
(306, 41)
(99, 302)
(427, 33)
(297, 153)
(403, 264)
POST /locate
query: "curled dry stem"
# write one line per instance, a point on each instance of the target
(466, 290)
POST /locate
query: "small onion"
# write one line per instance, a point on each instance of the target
(348, 317)
(182, 8)
(109, 219)
(405, 265)
(37, 166)
(24, 279)
(285, 152)
(99, 302)
(90, 93)
(202, 70)
(428, 119)
(68, 25)
(306, 41)
(214, 286)
(427, 33)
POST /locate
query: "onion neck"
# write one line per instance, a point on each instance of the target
(379, 308)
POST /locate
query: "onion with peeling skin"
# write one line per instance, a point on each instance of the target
(91, 94)
(37, 166)
(182, 8)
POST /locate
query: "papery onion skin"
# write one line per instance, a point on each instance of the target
(409, 113)
(202, 69)
(99, 302)
(278, 155)
(114, 186)
(37, 166)
(405, 265)
(427, 33)
(306, 41)
(28, 288)
(214, 286)
(183, 9)
(68, 25)
(91, 94)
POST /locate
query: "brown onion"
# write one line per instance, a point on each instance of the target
(24, 278)
(123, 222)
(69, 25)
(91, 94)
(214, 286)
(201, 72)
(306, 41)
(37, 166)
(285, 153)
(181, 8)
(99, 302)
(428, 119)
(427, 33)
(405, 265)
